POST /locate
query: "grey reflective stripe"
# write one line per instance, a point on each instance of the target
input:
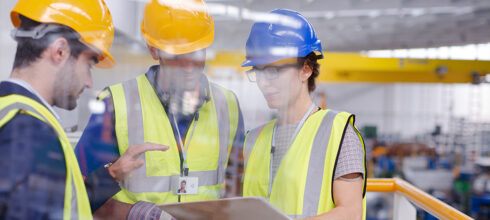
(134, 113)
(223, 117)
(139, 182)
(314, 178)
(20, 106)
(74, 204)
(252, 137)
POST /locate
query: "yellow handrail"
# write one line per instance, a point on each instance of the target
(422, 199)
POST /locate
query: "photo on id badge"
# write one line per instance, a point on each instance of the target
(187, 186)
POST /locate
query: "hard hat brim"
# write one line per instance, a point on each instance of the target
(107, 61)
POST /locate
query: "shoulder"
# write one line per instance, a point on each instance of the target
(226, 97)
(27, 133)
(255, 132)
(120, 90)
(110, 90)
(104, 94)
(227, 92)
(340, 119)
(21, 124)
(339, 113)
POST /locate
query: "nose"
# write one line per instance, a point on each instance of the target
(89, 82)
(187, 65)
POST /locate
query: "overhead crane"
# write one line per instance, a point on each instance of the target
(359, 68)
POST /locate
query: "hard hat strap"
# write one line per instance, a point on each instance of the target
(38, 31)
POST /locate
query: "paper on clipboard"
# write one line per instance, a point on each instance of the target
(221, 209)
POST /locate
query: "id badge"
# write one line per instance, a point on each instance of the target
(187, 186)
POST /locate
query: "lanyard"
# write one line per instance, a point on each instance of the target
(184, 149)
(296, 131)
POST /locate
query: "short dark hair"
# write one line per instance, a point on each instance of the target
(29, 49)
(312, 61)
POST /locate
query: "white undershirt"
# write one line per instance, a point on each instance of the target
(29, 88)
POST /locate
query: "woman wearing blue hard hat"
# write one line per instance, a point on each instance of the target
(309, 162)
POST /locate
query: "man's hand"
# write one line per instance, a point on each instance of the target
(129, 160)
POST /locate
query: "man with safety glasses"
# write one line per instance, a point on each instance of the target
(172, 104)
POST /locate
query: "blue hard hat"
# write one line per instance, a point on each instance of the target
(281, 34)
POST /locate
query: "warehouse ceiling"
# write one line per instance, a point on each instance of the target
(349, 25)
(342, 25)
(355, 25)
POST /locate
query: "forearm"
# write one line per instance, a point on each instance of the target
(348, 199)
(100, 187)
(114, 209)
(347, 213)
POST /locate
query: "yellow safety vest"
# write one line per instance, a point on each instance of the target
(140, 117)
(303, 184)
(76, 204)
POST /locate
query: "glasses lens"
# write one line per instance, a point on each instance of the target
(271, 72)
(268, 72)
(252, 75)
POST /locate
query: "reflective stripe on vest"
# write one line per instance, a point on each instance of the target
(313, 193)
(76, 205)
(250, 141)
(140, 118)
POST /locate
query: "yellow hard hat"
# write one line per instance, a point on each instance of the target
(177, 26)
(89, 18)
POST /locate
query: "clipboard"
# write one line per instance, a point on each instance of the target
(225, 209)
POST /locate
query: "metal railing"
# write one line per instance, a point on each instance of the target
(418, 197)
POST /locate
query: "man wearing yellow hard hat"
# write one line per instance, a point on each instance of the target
(58, 42)
(172, 104)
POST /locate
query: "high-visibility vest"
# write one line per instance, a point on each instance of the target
(303, 183)
(140, 117)
(76, 205)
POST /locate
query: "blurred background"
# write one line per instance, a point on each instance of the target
(415, 73)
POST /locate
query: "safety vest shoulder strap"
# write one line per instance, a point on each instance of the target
(227, 112)
(126, 99)
(9, 112)
(104, 94)
(318, 155)
(250, 140)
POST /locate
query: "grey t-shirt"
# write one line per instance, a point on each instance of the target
(351, 156)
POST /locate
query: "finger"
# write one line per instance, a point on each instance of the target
(138, 150)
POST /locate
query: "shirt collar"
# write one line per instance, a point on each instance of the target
(26, 85)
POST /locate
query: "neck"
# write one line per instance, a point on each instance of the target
(294, 112)
(162, 83)
(38, 78)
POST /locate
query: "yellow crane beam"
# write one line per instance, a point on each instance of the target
(351, 67)
(358, 68)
